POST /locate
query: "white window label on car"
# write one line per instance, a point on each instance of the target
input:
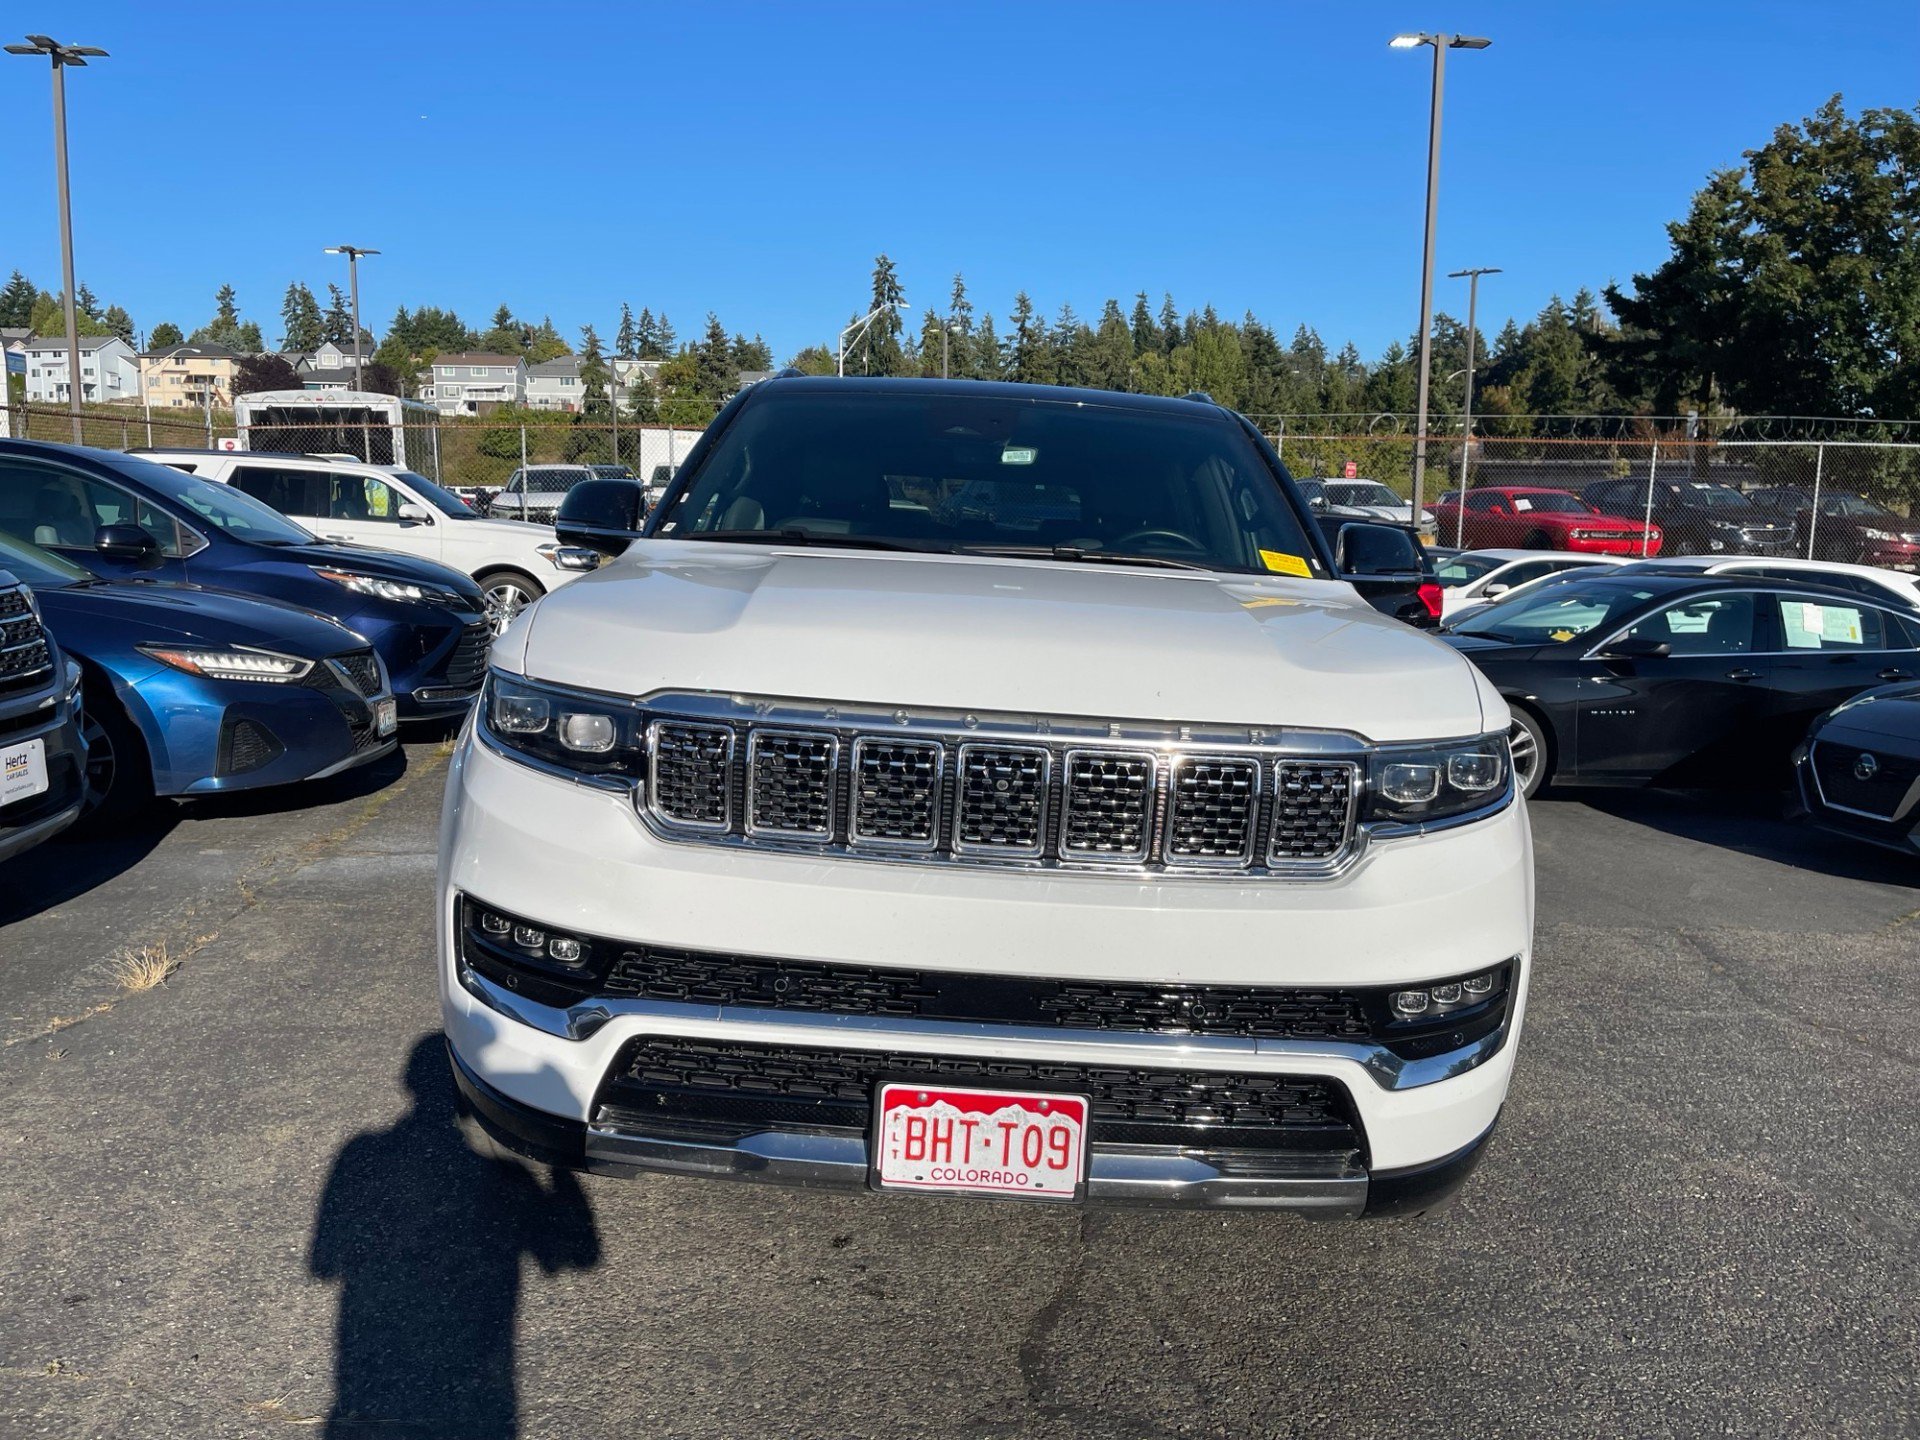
(1019, 455)
(1521, 502)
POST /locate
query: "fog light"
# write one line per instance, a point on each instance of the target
(589, 733)
(528, 938)
(1408, 784)
(1410, 1002)
(493, 924)
(564, 949)
(1478, 987)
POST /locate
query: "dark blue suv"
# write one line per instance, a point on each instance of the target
(124, 517)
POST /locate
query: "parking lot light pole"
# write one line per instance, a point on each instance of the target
(1441, 43)
(63, 56)
(859, 328)
(353, 254)
(1472, 278)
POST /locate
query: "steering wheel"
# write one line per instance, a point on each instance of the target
(1175, 537)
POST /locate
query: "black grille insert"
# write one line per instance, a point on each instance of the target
(689, 765)
(773, 1086)
(1313, 810)
(1878, 793)
(468, 662)
(790, 783)
(896, 793)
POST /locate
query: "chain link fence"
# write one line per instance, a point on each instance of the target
(1831, 498)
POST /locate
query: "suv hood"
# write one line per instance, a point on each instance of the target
(513, 532)
(965, 632)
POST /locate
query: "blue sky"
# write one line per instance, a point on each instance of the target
(752, 159)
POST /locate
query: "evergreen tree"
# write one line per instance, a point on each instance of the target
(164, 334)
(626, 339)
(1067, 342)
(1169, 324)
(506, 336)
(300, 317)
(879, 345)
(337, 323)
(16, 301)
(983, 359)
(754, 354)
(1029, 361)
(119, 322)
(1108, 357)
(715, 376)
(1146, 334)
(665, 342)
(596, 399)
(545, 343)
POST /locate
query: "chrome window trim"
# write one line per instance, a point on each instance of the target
(752, 827)
(1156, 805)
(857, 841)
(673, 822)
(1038, 849)
(1864, 602)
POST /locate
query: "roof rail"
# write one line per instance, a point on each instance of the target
(1202, 396)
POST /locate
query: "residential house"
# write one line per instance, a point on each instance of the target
(109, 370)
(473, 383)
(189, 377)
(555, 384)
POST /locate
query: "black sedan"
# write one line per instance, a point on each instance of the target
(1678, 680)
(1859, 772)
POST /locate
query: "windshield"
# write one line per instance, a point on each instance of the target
(947, 471)
(38, 569)
(549, 479)
(1836, 503)
(1553, 614)
(443, 500)
(1363, 492)
(1464, 569)
(1552, 502)
(231, 511)
(1718, 497)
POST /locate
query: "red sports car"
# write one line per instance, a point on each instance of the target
(1525, 518)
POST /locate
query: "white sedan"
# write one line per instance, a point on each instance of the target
(1868, 580)
(1473, 577)
(1377, 500)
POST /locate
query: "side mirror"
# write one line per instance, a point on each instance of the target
(128, 543)
(1498, 587)
(1628, 648)
(410, 511)
(602, 515)
(1376, 552)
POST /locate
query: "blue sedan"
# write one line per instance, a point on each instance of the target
(128, 518)
(192, 692)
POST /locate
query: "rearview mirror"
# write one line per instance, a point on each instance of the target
(602, 515)
(1377, 552)
(128, 543)
(1629, 648)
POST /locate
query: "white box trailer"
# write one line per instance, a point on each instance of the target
(357, 422)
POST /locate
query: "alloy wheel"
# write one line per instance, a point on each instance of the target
(1526, 756)
(505, 600)
(102, 765)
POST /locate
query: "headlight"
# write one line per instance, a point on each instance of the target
(573, 729)
(1579, 534)
(1413, 784)
(1890, 536)
(381, 588)
(234, 664)
(568, 557)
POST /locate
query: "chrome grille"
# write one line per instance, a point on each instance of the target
(1214, 811)
(689, 775)
(1109, 806)
(1313, 811)
(790, 784)
(896, 793)
(1002, 804)
(1031, 791)
(24, 654)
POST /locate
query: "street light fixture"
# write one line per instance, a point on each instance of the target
(62, 56)
(1441, 43)
(353, 254)
(1472, 277)
(859, 328)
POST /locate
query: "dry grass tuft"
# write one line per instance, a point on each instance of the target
(135, 970)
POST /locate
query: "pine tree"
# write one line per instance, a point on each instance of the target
(880, 352)
(983, 363)
(164, 334)
(716, 377)
(596, 401)
(1146, 334)
(16, 301)
(1028, 361)
(337, 323)
(300, 315)
(646, 337)
(665, 342)
(119, 322)
(545, 343)
(1109, 353)
(1169, 324)
(85, 303)
(626, 339)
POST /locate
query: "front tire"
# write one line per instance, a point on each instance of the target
(119, 772)
(507, 593)
(1532, 759)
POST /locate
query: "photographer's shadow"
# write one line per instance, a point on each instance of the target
(426, 1240)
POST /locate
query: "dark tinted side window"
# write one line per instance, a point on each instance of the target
(291, 492)
(61, 509)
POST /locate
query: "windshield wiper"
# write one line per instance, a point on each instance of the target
(1078, 556)
(803, 537)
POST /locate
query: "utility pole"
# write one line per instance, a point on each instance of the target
(353, 254)
(1472, 278)
(63, 56)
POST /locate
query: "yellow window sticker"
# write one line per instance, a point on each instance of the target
(1562, 636)
(1283, 564)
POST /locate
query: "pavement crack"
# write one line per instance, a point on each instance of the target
(1037, 1339)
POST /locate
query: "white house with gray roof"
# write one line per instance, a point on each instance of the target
(473, 383)
(109, 371)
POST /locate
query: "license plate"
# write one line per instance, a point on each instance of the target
(384, 716)
(23, 771)
(980, 1142)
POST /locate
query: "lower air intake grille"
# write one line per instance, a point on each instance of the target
(361, 670)
(468, 663)
(788, 1086)
(247, 746)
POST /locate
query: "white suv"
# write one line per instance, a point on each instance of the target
(987, 790)
(394, 509)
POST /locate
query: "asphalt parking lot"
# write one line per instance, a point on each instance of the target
(233, 1204)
